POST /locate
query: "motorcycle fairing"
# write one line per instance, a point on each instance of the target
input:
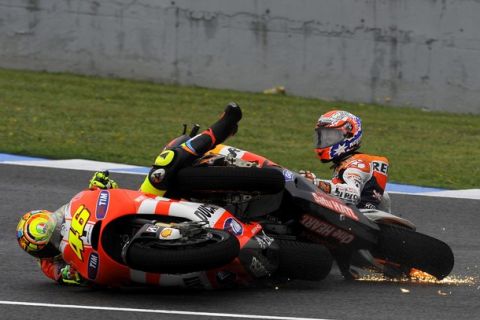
(98, 265)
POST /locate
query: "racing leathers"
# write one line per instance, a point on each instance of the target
(55, 267)
(359, 179)
(178, 154)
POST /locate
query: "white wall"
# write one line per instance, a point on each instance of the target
(423, 53)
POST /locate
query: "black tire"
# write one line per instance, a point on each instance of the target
(411, 249)
(303, 261)
(264, 180)
(151, 257)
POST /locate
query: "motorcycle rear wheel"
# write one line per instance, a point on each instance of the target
(218, 178)
(411, 249)
(154, 257)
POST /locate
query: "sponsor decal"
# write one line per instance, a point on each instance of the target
(334, 205)
(102, 204)
(353, 176)
(165, 158)
(87, 234)
(288, 175)
(377, 195)
(205, 211)
(342, 236)
(233, 226)
(263, 240)
(326, 230)
(64, 229)
(152, 229)
(234, 151)
(347, 194)
(369, 205)
(380, 167)
(225, 277)
(77, 227)
(93, 261)
(357, 164)
(257, 268)
(167, 232)
(193, 282)
(157, 176)
(321, 227)
(257, 228)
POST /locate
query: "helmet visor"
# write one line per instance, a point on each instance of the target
(325, 137)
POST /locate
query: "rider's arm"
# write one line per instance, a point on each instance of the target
(51, 267)
(57, 270)
(349, 187)
(171, 160)
(348, 191)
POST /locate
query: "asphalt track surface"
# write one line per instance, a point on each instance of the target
(455, 221)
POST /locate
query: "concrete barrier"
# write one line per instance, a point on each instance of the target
(422, 53)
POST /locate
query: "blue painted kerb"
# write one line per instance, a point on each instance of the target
(393, 187)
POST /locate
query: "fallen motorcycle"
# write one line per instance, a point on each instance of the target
(290, 208)
(119, 237)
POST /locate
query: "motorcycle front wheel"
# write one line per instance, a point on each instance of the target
(413, 250)
(210, 249)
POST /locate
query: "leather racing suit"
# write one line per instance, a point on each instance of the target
(177, 155)
(360, 179)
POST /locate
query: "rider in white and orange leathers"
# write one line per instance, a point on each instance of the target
(358, 178)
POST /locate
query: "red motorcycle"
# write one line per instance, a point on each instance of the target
(118, 237)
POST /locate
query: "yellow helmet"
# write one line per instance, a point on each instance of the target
(34, 232)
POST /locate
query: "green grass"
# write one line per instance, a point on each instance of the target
(67, 116)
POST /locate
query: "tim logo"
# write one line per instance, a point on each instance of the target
(92, 265)
(233, 226)
(102, 204)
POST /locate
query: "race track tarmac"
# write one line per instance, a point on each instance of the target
(455, 221)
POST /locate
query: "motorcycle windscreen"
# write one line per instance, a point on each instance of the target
(325, 137)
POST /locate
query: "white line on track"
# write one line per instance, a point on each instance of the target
(174, 312)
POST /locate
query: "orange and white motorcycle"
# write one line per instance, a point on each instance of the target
(290, 208)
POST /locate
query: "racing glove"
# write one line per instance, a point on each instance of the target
(101, 180)
(323, 185)
(308, 174)
(70, 276)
